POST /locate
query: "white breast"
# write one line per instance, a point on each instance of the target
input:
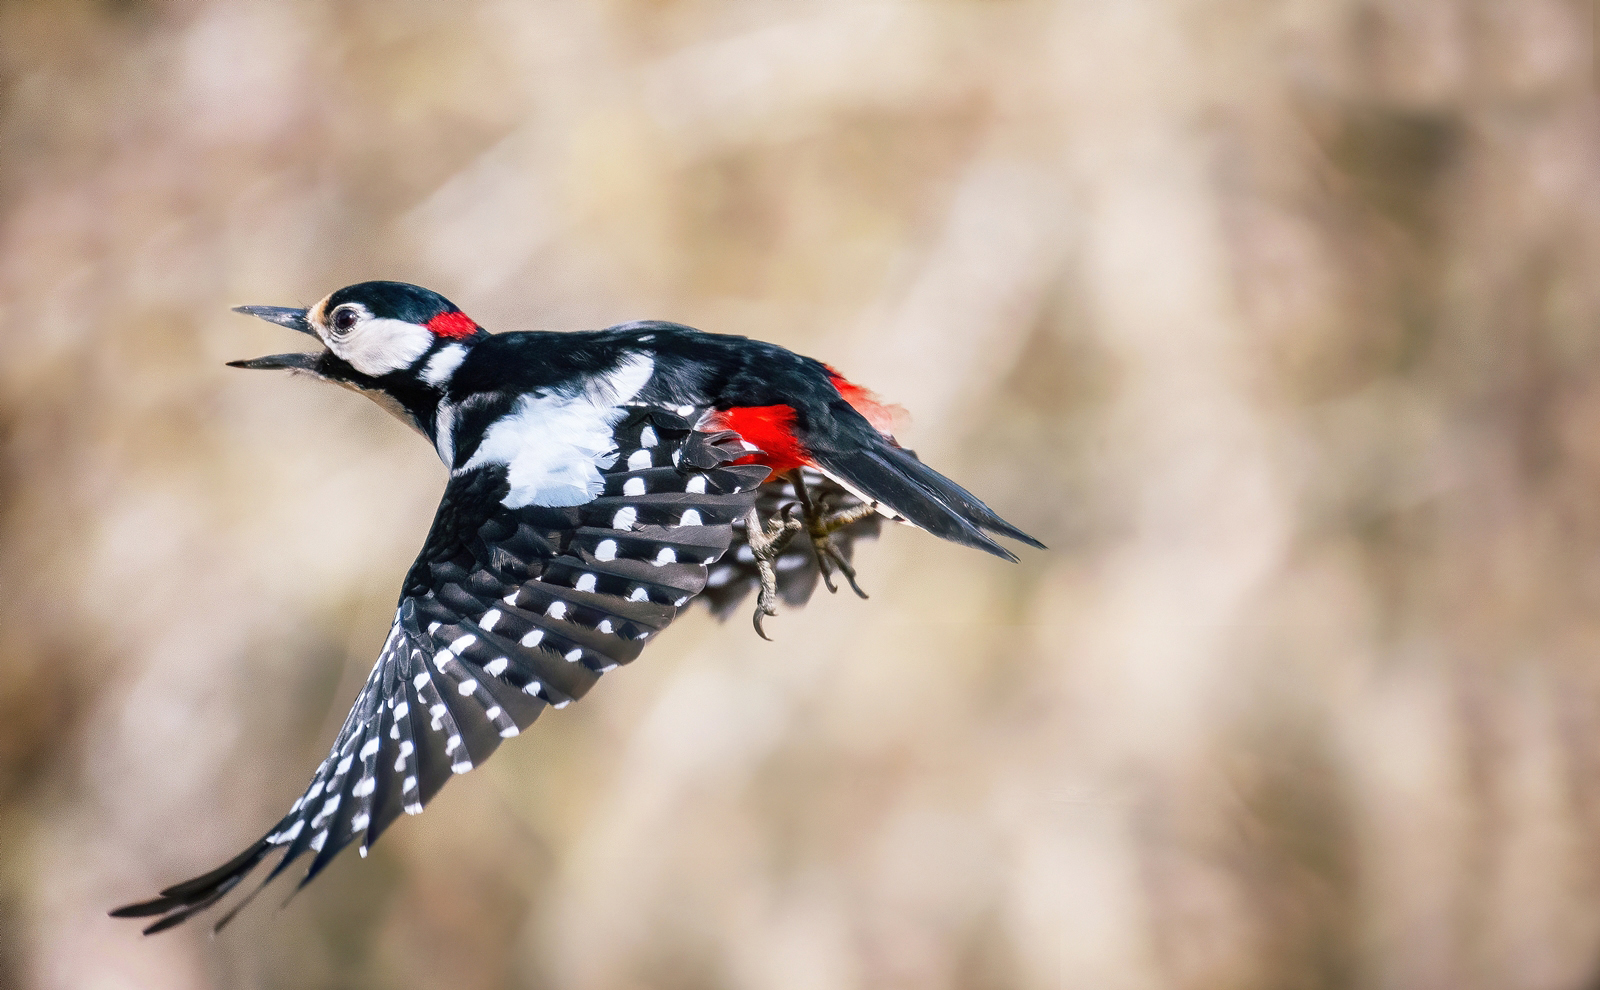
(555, 445)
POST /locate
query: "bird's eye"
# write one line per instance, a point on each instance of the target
(344, 318)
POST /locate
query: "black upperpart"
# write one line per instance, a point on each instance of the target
(394, 301)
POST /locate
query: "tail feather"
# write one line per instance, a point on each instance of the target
(896, 479)
(957, 496)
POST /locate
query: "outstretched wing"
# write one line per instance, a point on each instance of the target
(505, 611)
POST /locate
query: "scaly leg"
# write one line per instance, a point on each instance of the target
(821, 526)
(767, 544)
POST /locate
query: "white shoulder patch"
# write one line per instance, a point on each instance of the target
(555, 445)
(444, 364)
(444, 433)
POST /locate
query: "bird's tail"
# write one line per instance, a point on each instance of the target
(897, 480)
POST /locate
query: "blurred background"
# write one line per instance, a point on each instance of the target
(1278, 321)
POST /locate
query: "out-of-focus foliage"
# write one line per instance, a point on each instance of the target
(1279, 322)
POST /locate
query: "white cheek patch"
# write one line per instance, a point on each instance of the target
(377, 347)
(555, 445)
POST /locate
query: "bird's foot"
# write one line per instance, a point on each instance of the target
(767, 544)
(821, 526)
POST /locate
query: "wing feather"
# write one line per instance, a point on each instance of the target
(506, 611)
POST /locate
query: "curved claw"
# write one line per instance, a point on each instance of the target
(850, 575)
(829, 557)
(755, 620)
(767, 546)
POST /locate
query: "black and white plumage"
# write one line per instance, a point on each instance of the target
(598, 484)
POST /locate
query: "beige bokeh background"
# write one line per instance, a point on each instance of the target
(1278, 322)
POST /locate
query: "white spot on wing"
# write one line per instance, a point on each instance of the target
(639, 460)
(624, 518)
(557, 610)
(467, 686)
(496, 667)
(607, 549)
(533, 637)
(647, 437)
(696, 485)
(633, 486)
(666, 556)
(585, 583)
(690, 517)
(489, 619)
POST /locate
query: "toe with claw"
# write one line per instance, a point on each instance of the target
(767, 544)
(821, 525)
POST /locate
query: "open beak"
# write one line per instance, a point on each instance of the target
(284, 316)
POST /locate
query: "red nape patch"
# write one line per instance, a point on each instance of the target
(885, 417)
(769, 427)
(452, 325)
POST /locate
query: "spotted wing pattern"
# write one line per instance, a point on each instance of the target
(734, 577)
(506, 611)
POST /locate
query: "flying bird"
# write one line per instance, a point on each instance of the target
(599, 482)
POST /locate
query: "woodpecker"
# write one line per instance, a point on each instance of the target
(599, 482)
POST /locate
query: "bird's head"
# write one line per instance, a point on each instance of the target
(377, 336)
